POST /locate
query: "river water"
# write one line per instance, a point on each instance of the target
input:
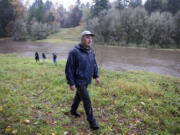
(165, 62)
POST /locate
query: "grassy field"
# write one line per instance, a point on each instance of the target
(65, 35)
(5, 38)
(35, 100)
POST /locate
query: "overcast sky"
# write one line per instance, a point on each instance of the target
(67, 3)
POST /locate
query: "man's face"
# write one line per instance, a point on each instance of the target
(87, 40)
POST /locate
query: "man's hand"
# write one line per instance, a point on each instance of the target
(73, 87)
(97, 81)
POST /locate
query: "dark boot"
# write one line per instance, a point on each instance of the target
(94, 125)
(75, 113)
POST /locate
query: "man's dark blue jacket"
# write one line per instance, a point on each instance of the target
(81, 66)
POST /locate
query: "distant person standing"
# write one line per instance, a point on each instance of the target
(54, 58)
(36, 56)
(44, 57)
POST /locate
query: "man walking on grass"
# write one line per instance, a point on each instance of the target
(81, 67)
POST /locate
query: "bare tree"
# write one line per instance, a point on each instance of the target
(20, 29)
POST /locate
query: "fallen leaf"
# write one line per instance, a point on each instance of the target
(26, 121)
(158, 121)
(60, 105)
(131, 125)
(54, 123)
(5, 100)
(8, 129)
(115, 102)
(137, 121)
(14, 131)
(125, 132)
(1, 108)
(134, 134)
(35, 123)
(110, 129)
(134, 110)
(142, 103)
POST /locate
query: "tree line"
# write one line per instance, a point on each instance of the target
(126, 22)
(123, 22)
(37, 21)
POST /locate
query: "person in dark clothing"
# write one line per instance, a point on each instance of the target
(36, 56)
(54, 58)
(81, 67)
(44, 56)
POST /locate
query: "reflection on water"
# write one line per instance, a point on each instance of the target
(115, 58)
(28, 49)
(157, 61)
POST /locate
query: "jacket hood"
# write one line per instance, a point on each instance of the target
(82, 48)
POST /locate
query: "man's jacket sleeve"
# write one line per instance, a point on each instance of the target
(96, 74)
(70, 69)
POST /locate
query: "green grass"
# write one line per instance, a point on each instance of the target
(126, 103)
(65, 35)
(5, 38)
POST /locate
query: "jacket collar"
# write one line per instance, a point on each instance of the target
(81, 47)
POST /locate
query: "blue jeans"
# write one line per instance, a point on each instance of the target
(82, 94)
(54, 60)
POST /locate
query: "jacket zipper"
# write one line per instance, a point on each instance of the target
(89, 67)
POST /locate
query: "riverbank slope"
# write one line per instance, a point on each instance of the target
(35, 99)
(65, 35)
(73, 36)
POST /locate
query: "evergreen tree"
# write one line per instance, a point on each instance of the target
(120, 4)
(48, 5)
(76, 16)
(41, 11)
(135, 3)
(99, 6)
(177, 29)
(173, 6)
(49, 16)
(37, 11)
(61, 11)
(6, 17)
(153, 5)
(87, 5)
(78, 3)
